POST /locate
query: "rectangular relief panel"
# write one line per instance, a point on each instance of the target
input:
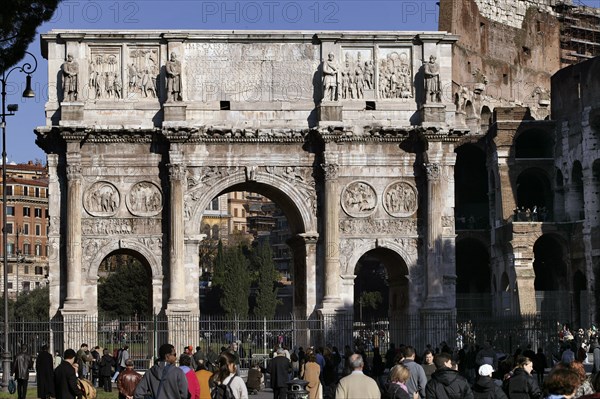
(357, 74)
(395, 73)
(104, 74)
(251, 72)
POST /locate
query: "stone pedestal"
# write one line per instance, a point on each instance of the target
(184, 329)
(174, 111)
(433, 113)
(79, 328)
(330, 112)
(71, 111)
(337, 326)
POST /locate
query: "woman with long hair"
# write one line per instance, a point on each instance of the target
(311, 372)
(225, 376)
(522, 385)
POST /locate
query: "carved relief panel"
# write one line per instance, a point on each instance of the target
(143, 72)
(104, 73)
(395, 73)
(101, 199)
(250, 71)
(144, 199)
(359, 199)
(400, 199)
(357, 74)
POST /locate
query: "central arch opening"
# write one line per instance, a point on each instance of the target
(257, 222)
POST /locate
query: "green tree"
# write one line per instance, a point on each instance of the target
(19, 21)
(266, 280)
(232, 277)
(369, 299)
(126, 291)
(33, 305)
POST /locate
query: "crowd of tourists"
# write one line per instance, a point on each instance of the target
(472, 372)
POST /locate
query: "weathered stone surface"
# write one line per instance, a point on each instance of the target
(143, 167)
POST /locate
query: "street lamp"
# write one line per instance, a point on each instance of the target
(9, 110)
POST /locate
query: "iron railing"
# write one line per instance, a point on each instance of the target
(258, 337)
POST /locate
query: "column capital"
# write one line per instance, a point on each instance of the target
(432, 170)
(331, 170)
(176, 172)
(74, 171)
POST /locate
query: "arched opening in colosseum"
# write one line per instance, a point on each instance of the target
(473, 277)
(471, 183)
(551, 283)
(534, 194)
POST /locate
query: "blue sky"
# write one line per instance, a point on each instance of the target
(314, 15)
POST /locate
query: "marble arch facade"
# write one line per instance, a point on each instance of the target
(144, 140)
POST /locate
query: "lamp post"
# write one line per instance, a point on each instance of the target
(9, 110)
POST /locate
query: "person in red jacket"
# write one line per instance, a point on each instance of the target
(185, 364)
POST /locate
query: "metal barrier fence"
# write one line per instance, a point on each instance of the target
(257, 337)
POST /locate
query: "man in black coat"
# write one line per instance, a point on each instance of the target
(65, 379)
(44, 370)
(445, 382)
(21, 366)
(280, 369)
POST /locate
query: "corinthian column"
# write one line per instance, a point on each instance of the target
(176, 246)
(73, 221)
(434, 237)
(331, 234)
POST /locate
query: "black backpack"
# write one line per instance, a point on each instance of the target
(222, 391)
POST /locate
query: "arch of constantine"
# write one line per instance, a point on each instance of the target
(351, 133)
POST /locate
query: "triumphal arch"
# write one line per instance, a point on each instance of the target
(351, 133)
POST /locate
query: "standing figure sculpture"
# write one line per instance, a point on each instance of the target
(330, 79)
(70, 70)
(173, 69)
(432, 80)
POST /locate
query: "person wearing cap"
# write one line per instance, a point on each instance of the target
(485, 387)
(128, 380)
(446, 382)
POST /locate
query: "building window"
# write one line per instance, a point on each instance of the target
(47, 214)
(26, 269)
(243, 213)
(37, 191)
(26, 228)
(38, 249)
(9, 190)
(25, 190)
(235, 212)
(26, 211)
(39, 270)
(9, 269)
(26, 285)
(9, 284)
(215, 204)
(38, 230)
(38, 212)
(47, 250)
(27, 249)
(9, 228)
(10, 210)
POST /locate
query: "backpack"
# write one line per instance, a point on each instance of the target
(222, 391)
(89, 392)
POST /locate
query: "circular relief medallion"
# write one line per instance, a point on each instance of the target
(359, 199)
(400, 199)
(101, 199)
(144, 199)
